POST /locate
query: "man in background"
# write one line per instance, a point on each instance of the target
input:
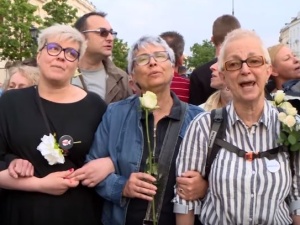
(179, 85)
(97, 73)
(200, 88)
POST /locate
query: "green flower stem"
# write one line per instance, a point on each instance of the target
(150, 161)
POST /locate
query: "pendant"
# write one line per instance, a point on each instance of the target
(65, 142)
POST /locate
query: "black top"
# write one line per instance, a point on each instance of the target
(137, 207)
(21, 129)
(200, 88)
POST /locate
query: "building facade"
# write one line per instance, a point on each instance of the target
(290, 35)
(83, 7)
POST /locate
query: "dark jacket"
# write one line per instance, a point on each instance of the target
(200, 88)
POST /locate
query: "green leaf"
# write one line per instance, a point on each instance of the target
(295, 147)
(292, 139)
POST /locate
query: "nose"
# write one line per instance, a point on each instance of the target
(110, 37)
(61, 55)
(152, 61)
(245, 68)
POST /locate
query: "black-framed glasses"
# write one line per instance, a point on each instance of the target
(103, 32)
(55, 49)
(144, 59)
(252, 61)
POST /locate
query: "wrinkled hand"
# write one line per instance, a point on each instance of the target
(20, 168)
(140, 185)
(191, 185)
(56, 183)
(94, 171)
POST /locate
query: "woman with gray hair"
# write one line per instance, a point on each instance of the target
(129, 191)
(251, 179)
(45, 141)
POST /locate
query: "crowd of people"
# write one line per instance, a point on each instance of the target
(77, 137)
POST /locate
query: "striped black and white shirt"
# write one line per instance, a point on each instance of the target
(240, 191)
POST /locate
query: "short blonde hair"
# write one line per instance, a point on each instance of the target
(273, 50)
(63, 32)
(29, 72)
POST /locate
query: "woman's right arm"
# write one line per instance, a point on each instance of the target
(185, 219)
(53, 184)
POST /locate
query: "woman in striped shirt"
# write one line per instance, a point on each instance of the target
(242, 190)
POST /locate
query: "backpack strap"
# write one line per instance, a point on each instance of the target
(218, 125)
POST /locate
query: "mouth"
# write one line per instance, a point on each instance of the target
(58, 67)
(247, 84)
(154, 73)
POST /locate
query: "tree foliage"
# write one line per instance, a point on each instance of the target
(201, 53)
(16, 18)
(119, 53)
(59, 11)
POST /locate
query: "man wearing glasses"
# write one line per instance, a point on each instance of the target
(97, 72)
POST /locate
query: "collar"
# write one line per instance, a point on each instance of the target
(111, 69)
(264, 119)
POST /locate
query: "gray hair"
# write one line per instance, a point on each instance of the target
(142, 43)
(236, 35)
(62, 32)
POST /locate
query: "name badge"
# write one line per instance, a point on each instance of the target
(273, 165)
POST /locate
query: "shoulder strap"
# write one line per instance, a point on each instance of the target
(165, 161)
(218, 129)
(82, 81)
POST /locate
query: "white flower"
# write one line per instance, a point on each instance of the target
(291, 111)
(290, 121)
(50, 150)
(285, 105)
(279, 96)
(281, 116)
(149, 100)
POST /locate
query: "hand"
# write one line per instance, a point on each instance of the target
(56, 183)
(139, 185)
(20, 168)
(94, 171)
(191, 185)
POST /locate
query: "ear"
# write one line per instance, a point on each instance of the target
(212, 39)
(273, 71)
(38, 57)
(181, 60)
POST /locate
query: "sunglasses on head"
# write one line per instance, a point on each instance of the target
(103, 32)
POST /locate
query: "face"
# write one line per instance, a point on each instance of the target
(155, 75)
(96, 44)
(58, 68)
(216, 81)
(286, 65)
(18, 81)
(247, 83)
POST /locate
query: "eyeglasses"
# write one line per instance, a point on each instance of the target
(103, 32)
(55, 49)
(144, 59)
(236, 64)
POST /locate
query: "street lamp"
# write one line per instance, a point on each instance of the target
(232, 7)
(34, 33)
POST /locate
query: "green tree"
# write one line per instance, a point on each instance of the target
(119, 53)
(59, 11)
(17, 17)
(201, 53)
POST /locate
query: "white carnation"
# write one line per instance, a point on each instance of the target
(49, 149)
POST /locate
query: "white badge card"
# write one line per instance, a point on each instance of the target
(273, 165)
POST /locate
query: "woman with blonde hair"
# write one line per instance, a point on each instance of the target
(49, 138)
(21, 76)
